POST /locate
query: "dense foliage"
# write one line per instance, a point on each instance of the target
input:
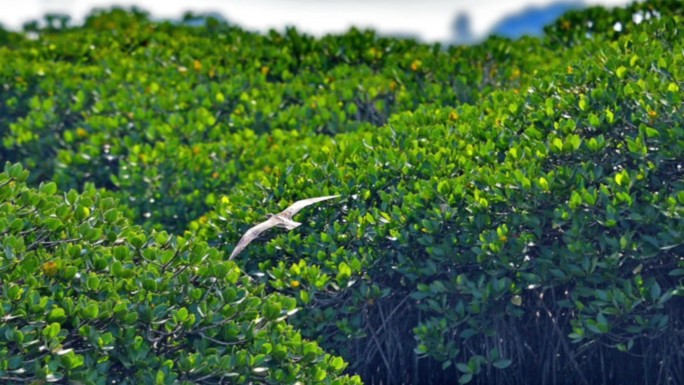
(89, 298)
(167, 114)
(511, 211)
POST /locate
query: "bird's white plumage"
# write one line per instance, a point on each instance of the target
(282, 219)
(297, 206)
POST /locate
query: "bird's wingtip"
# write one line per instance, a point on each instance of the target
(292, 226)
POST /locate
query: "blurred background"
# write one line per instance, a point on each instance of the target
(445, 21)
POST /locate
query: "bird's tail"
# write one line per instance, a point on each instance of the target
(289, 225)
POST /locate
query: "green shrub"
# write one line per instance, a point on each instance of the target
(165, 113)
(88, 298)
(537, 231)
(577, 26)
(511, 211)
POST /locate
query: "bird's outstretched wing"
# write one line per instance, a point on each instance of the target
(251, 234)
(295, 207)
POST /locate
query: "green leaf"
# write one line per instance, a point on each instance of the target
(443, 187)
(319, 374)
(272, 310)
(111, 215)
(573, 141)
(610, 117)
(57, 314)
(131, 318)
(543, 183)
(655, 290)
(502, 363)
(49, 188)
(594, 120)
(71, 360)
(344, 271)
(337, 363)
(421, 349)
(159, 378)
(304, 296)
(53, 224)
(93, 282)
(463, 367)
(181, 315)
(601, 319)
(583, 103)
(52, 330)
(438, 287)
(575, 200)
(593, 144)
(91, 311)
(149, 284)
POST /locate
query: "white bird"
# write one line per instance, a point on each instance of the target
(282, 219)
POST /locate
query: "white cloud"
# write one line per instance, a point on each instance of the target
(429, 19)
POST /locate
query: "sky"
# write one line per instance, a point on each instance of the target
(428, 20)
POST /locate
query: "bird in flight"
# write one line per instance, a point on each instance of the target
(282, 219)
